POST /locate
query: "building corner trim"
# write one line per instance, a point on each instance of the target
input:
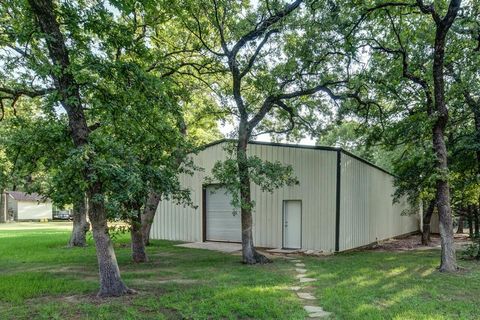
(337, 201)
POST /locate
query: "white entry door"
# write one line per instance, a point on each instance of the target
(222, 224)
(292, 224)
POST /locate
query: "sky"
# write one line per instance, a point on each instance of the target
(227, 128)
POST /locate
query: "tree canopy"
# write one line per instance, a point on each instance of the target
(105, 100)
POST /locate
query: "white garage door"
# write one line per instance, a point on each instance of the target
(222, 224)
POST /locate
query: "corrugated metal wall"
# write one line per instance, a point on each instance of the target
(32, 210)
(178, 222)
(435, 223)
(3, 207)
(316, 171)
(12, 208)
(366, 210)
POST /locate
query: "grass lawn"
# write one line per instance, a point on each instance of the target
(41, 279)
(395, 285)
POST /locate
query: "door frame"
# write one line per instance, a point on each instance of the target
(283, 223)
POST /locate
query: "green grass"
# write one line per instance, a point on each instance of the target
(42, 279)
(395, 285)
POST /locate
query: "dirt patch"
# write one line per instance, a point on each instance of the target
(82, 273)
(161, 254)
(413, 242)
(71, 269)
(134, 301)
(168, 313)
(90, 298)
(156, 281)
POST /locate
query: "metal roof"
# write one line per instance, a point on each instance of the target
(23, 196)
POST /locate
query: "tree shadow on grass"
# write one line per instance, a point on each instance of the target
(176, 283)
(379, 285)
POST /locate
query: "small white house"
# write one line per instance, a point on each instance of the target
(342, 202)
(21, 206)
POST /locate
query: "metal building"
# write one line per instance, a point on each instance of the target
(342, 202)
(21, 206)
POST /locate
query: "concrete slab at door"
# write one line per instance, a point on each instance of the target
(222, 224)
(292, 224)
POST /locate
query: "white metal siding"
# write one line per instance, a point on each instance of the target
(3, 207)
(316, 171)
(435, 223)
(367, 213)
(11, 208)
(32, 210)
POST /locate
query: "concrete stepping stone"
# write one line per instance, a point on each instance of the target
(306, 296)
(311, 309)
(301, 270)
(299, 276)
(303, 279)
(295, 288)
(299, 264)
(296, 260)
(319, 315)
(316, 312)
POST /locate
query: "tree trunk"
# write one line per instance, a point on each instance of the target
(461, 219)
(476, 113)
(148, 215)
(138, 245)
(111, 283)
(476, 211)
(3, 206)
(448, 255)
(476, 219)
(448, 258)
(249, 254)
(474, 105)
(427, 217)
(80, 225)
(470, 224)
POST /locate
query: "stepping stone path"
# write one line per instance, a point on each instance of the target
(306, 296)
(316, 312)
(313, 311)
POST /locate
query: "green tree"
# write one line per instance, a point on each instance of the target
(263, 71)
(421, 62)
(121, 118)
(40, 18)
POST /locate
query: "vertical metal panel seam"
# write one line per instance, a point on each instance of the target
(204, 213)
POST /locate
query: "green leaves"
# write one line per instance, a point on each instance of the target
(396, 42)
(268, 175)
(134, 107)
